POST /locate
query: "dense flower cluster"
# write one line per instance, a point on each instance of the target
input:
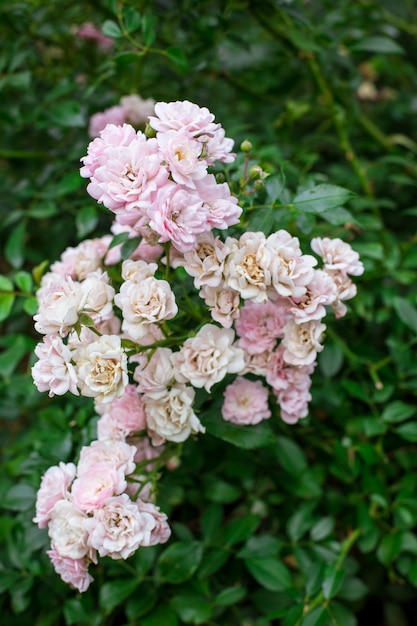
(259, 319)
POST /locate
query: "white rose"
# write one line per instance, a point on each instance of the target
(171, 417)
(66, 530)
(60, 302)
(102, 369)
(302, 342)
(145, 303)
(206, 358)
(118, 528)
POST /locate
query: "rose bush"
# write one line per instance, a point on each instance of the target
(309, 515)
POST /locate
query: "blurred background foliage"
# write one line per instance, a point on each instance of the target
(317, 526)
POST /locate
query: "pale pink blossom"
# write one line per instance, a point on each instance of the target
(247, 266)
(74, 572)
(98, 296)
(223, 304)
(337, 255)
(206, 262)
(99, 482)
(256, 363)
(117, 454)
(129, 177)
(178, 215)
(206, 358)
(122, 416)
(198, 122)
(302, 341)
(60, 301)
(260, 325)
(54, 371)
(144, 303)
(223, 209)
(66, 530)
(156, 374)
(137, 109)
(291, 271)
(137, 270)
(111, 137)
(321, 292)
(54, 486)
(114, 115)
(245, 402)
(85, 258)
(88, 30)
(102, 368)
(183, 115)
(161, 531)
(171, 417)
(118, 528)
(182, 155)
(293, 402)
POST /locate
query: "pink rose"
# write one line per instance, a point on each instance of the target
(245, 402)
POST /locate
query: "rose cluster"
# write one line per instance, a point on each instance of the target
(259, 318)
(132, 109)
(91, 509)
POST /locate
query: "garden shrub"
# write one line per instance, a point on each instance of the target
(299, 524)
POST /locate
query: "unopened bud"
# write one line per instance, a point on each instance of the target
(220, 177)
(255, 172)
(246, 146)
(259, 185)
(149, 131)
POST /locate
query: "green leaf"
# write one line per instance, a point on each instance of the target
(316, 617)
(20, 497)
(211, 521)
(24, 281)
(260, 547)
(302, 40)
(270, 573)
(397, 411)
(248, 437)
(274, 186)
(67, 114)
(14, 348)
(240, 529)
(342, 615)
(230, 595)
(74, 612)
(338, 216)
(5, 284)
(332, 582)
(212, 562)
(142, 601)
(406, 312)
(161, 616)
(290, 456)
(111, 29)
(321, 198)
(113, 593)
(15, 246)
(389, 548)
(132, 19)
(129, 247)
(86, 220)
(378, 44)
(179, 561)
(330, 360)
(177, 56)
(408, 431)
(192, 607)
(148, 28)
(353, 589)
(301, 521)
(322, 529)
(6, 303)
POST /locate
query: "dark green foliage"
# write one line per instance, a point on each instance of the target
(305, 525)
